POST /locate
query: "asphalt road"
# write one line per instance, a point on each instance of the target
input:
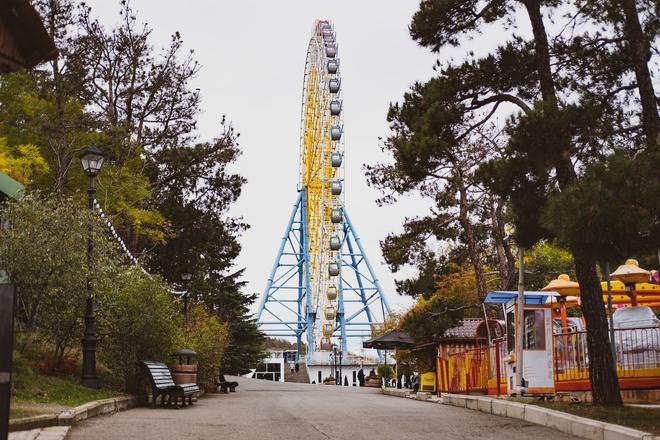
(264, 410)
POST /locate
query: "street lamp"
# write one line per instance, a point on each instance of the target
(92, 161)
(341, 355)
(334, 359)
(185, 277)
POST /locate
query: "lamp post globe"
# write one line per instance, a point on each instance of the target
(91, 159)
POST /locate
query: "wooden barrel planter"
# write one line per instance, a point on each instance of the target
(184, 373)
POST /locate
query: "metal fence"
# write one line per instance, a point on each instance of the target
(482, 369)
(496, 372)
(637, 353)
(465, 371)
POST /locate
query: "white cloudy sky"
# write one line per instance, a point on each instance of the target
(252, 55)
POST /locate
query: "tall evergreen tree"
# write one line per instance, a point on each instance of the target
(547, 134)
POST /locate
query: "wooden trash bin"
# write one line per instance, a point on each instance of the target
(185, 372)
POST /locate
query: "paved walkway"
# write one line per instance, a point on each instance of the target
(52, 433)
(264, 410)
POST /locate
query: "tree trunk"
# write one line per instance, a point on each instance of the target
(58, 137)
(564, 166)
(468, 230)
(640, 53)
(603, 376)
(505, 259)
(602, 373)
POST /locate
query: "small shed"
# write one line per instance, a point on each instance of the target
(470, 333)
(460, 357)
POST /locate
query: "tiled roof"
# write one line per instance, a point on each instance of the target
(466, 330)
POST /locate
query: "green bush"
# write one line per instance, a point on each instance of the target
(136, 321)
(208, 337)
(384, 370)
(44, 253)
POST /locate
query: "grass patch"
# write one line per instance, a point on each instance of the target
(644, 419)
(56, 390)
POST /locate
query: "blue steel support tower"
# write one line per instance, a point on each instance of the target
(287, 308)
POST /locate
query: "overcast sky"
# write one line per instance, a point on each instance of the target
(253, 55)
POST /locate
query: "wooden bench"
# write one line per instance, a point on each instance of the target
(163, 385)
(225, 385)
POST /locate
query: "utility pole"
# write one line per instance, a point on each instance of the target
(520, 328)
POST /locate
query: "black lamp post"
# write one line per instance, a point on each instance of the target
(341, 354)
(334, 361)
(92, 162)
(185, 277)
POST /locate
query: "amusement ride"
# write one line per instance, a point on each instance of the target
(322, 289)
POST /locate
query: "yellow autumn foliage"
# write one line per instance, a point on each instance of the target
(23, 162)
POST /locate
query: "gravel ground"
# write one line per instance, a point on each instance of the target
(265, 410)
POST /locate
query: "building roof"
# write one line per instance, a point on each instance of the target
(465, 330)
(24, 42)
(10, 188)
(473, 329)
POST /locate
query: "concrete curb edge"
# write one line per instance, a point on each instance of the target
(560, 421)
(74, 415)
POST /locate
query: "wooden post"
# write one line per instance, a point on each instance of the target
(563, 314)
(7, 304)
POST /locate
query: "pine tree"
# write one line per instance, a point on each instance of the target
(546, 134)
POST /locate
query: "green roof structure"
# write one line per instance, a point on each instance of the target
(10, 188)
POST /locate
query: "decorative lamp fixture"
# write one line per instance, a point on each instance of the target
(92, 160)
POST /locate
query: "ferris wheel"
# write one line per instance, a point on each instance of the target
(321, 174)
(309, 290)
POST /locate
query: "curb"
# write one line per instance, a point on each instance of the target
(51, 433)
(33, 422)
(424, 396)
(397, 392)
(560, 421)
(96, 408)
(74, 415)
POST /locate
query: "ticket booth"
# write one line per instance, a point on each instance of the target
(537, 353)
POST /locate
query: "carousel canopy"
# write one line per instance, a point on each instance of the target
(563, 285)
(630, 272)
(390, 340)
